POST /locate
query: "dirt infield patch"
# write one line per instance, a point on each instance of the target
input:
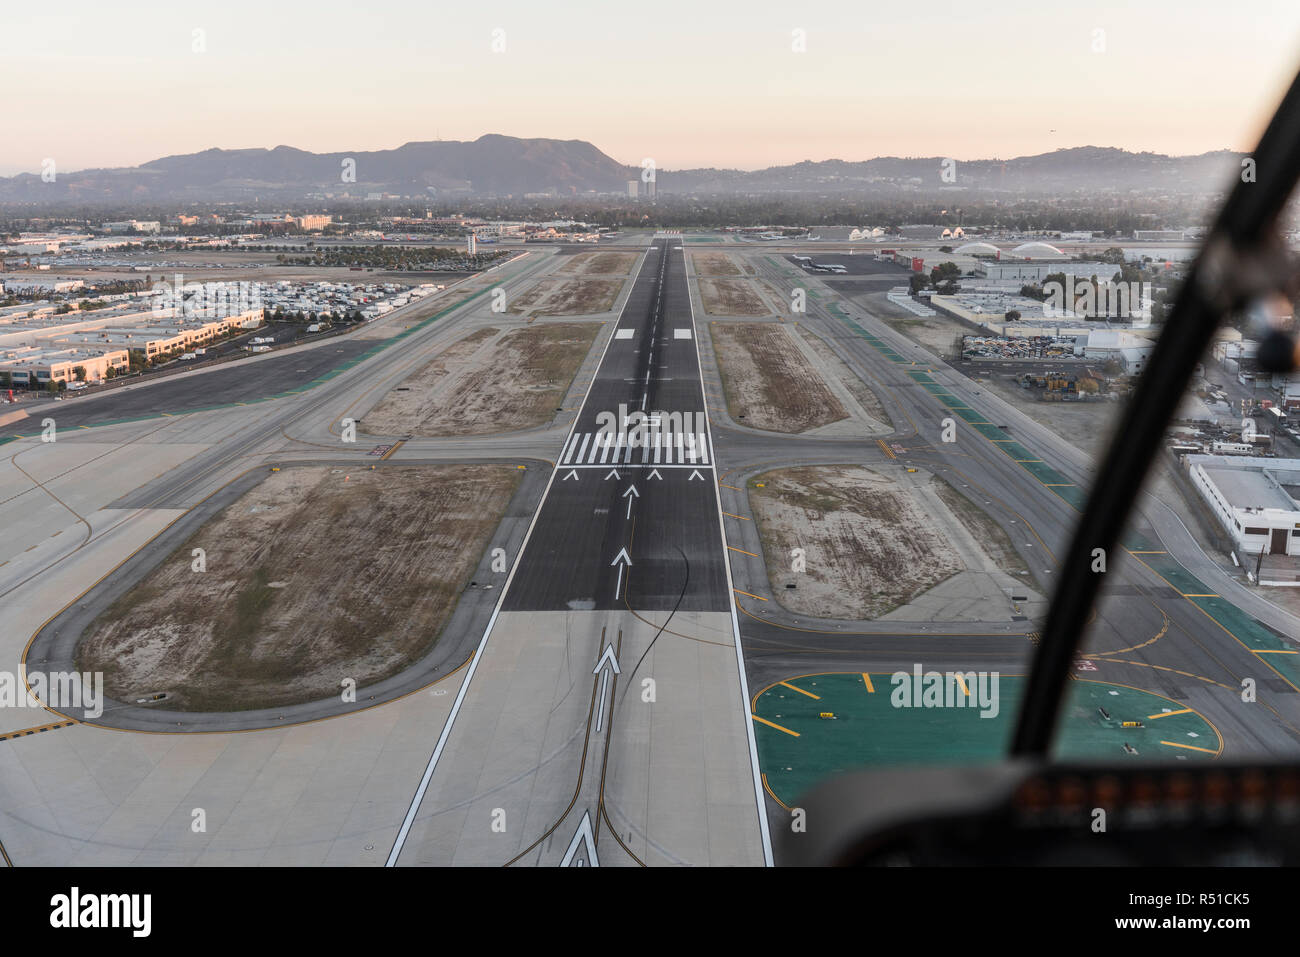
(768, 382)
(866, 398)
(600, 264)
(714, 264)
(488, 382)
(868, 544)
(991, 536)
(732, 297)
(314, 576)
(567, 297)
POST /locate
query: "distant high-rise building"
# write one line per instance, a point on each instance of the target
(631, 189)
(650, 189)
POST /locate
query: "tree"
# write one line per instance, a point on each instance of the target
(79, 372)
(918, 281)
(1012, 314)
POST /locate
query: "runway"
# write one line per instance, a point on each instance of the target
(622, 578)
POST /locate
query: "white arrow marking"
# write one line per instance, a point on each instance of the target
(654, 474)
(630, 494)
(610, 657)
(695, 474)
(584, 837)
(573, 474)
(600, 715)
(622, 556)
(613, 473)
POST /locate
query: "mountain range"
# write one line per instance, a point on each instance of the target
(505, 165)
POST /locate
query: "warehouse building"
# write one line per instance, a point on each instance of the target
(40, 366)
(1253, 499)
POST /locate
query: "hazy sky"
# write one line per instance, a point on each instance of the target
(686, 83)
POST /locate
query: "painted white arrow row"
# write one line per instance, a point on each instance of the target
(622, 560)
(607, 658)
(585, 839)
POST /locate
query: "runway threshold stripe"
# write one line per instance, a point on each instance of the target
(786, 684)
(771, 724)
(1166, 714)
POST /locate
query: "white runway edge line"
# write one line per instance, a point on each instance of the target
(759, 798)
(400, 841)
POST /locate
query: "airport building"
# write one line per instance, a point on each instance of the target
(1255, 500)
(43, 365)
(42, 285)
(139, 225)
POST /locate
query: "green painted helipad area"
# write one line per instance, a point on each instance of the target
(798, 747)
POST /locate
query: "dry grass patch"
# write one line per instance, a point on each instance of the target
(567, 297)
(768, 382)
(714, 264)
(599, 264)
(314, 576)
(479, 387)
(732, 297)
(870, 546)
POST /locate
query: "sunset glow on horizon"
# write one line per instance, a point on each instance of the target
(689, 85)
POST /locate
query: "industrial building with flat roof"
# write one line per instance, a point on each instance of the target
(26, 366)
(1253, 499)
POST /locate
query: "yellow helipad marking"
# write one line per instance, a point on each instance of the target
(786, 684)
(773, 725)
(1189, 747)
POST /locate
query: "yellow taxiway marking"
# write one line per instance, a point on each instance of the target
(748, 595)
(1275, 651)
(1166, 714)
(1153, 552)
(1189, 747)
(732, 487)
(962, 681)
(1193, 595)
(786, 684)
(45, 727)
(867, 680)
(741, 517)
(742, 551)
(772, 725)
